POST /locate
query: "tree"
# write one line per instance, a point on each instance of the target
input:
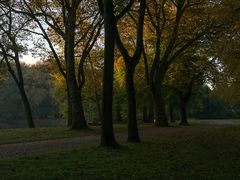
(111, 18)
(225, 50)
(173, 26)
(2, 71)
(185, 76)
(12, 34)
(39, 81)
(119, 87)
(78, 26)
(93, 88)
(107, 135)
(131, 63)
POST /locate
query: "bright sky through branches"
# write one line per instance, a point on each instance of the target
(29, 59)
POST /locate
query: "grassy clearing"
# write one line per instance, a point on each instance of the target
(212, 154)
(10, 136)
(20, 135)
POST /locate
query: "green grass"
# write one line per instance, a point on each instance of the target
(10, 136)
(212, 154)
(20, 135)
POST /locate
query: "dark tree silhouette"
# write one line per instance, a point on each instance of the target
(11, 29)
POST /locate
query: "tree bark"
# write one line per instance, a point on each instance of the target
(145, 111)
(151, 113)
(130, 63)
(98, 104)
(20, 84)
(158, 71)
(160, 110)
(183, 110)
(107, 134)
(69, 116)
(27, 107)
(133, 135)
(185, 98)
(162, 61)
(159, 101)
(78, 117)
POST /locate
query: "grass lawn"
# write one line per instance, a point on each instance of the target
(212, 154)
(19, 135)
(10, 136)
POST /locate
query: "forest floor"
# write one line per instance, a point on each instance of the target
(205, 150)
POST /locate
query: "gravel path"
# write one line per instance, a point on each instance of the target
(23, 149)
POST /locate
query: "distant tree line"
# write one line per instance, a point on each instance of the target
(49, 106)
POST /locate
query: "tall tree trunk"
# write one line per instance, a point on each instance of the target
(118, 113)
(20, 84)
(151, 113)
(183, 110)
(133, 135)
(156, 87)
(145, 111)
(158, 71)
(160, 110)
(107, 134)
(171, 113)
(185, 98)
(78, 118)
(69, 116)
(98, 104)
(97, 96)
(130, 63)
(27, 107)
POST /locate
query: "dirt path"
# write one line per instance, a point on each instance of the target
(28, 148)
(23, 149)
